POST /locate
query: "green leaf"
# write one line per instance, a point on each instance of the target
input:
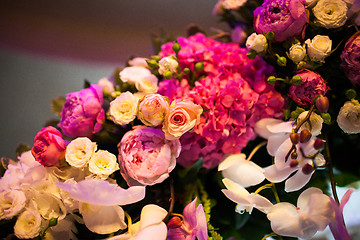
(57, 105)
(189, 175)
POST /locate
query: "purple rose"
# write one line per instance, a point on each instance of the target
(286, 18)
(146, 157)
(350, 57)
(312, 85)
(82, 114)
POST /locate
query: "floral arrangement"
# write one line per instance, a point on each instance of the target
(245, 134)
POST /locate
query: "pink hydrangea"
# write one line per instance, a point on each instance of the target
(82, 114)
(312, 85)
(233, 93)
(350, 57)
(146, 157)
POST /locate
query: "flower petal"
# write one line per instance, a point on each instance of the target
(262, 126)
(231, 160)
(297, 181)
(154, 232)
(151, 214)
(274, 174)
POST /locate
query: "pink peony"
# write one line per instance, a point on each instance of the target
(350, 57)
(286, 18)
(312, 85)
(146, 157)
(82, 114)
(49, 147)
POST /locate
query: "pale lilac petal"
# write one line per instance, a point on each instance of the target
(346, 198)
(297, 181)
(321, 211)
(274, 174)
(285, 220)
(303, 199)
(101, 192)
(151, 214)
(281, 127)
(259, 202)
(275, 141)
(262, 126)
(231, 160)
(154, 232)
(189, 214)
(201, 227)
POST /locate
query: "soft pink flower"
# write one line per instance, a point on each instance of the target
(49, 147)
(193, 226)
(312, 85)
(350, 57)
(153, 109)
(82, 114)
(286, 18)
(146, 157)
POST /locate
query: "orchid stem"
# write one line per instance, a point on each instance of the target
(270, 235)
(172, 201)
(273, 188)
(269, 185)
(331, 172)
(255, 150)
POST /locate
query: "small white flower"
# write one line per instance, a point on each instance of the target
(12, 203)
(28, 224)
(233, 4)
(313, 213)
(349, 117)
(141, 77)
(148, 85)
(319, 47)
(330, 13)
(103, 163)
(168, 64)
(297, 52)
(246, 173)
(123, 109)
(139, 62)
(257, 42)
(79, 151)
(106, 85)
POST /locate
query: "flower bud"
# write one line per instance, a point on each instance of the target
(350, 94)
(186, 70)
(307, 169)
(174, 222)
(199, 67)
(176, 47)
(271, 80)
(270, 35)
(322, 104)
(167, 75)
(53, 222)
(319, 144)
(281, 61)
(305, 136)
(294, 155)
(294, 163)
(294, 137)
(251, 54)
(257, 42)
(296, 80)
(152, 63)
(297, 52)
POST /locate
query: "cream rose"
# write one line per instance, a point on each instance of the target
(103, 163)
(182, 117)
(330, 13)
(256, 42)
(297, 53)
(153, 109)
(319, 47)
(79, 151)
(139, 61)
(349, 117)
(141, 77)
(168, 64)
(28, 224)
(147, 85)
(123, 109)
(106, 85)
(12, 203)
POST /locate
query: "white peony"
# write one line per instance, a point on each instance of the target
(319, 47)
(168, 64)
(330, 13)
(79, 151)
(28, 224)
(297, 52)
(349, 117)
(12, 203)
(103, 163)
(256, 42)
(123, 109)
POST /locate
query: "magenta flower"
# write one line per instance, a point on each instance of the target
(82, 114)
(193, 226)
(286, 18)
(49, 147)
(146, 157)
(337, 225)
(350, 57)
(312, 85)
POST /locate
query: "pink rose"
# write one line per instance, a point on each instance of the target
(350, 57)
(286, 18)
(312, 85)
(146, 157)
(153, 109)
(182, 117)
(49, 147)
(82, 114)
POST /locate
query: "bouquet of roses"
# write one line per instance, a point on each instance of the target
(173, 146)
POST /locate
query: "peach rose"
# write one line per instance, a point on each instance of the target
(153, 109)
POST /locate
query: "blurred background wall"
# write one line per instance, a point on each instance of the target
(48, 48)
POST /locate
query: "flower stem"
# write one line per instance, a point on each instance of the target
(331, 172)
(172, 201)
(269, 185)
(255, 150)
(270, 235)
(273, 188)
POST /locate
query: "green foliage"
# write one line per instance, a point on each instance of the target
(22, 147)
(57, 104)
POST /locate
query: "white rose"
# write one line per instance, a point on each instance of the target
(319, 47)
(148, 85)
(106, 85)
(138, 61)
(168, 64)
(330, 13)
(137, 75)
(103, 163)
(11, 203)
(123, 109)
(233, 4)
(79, 151)
(256, 42)
(297, 52)
(349, 117)
(28, 224)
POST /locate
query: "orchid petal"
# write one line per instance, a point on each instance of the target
(275, 141)
(231, 160)
(282, 152)
(154, 232)
(237, 198)
(261, 203)
(262, 126)
(201, 227)
(100, 192)
(274, 174)
(297, 181)
(282, 127)
(303, 199)
(189, 214)
(151, 214)
(234, 187)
